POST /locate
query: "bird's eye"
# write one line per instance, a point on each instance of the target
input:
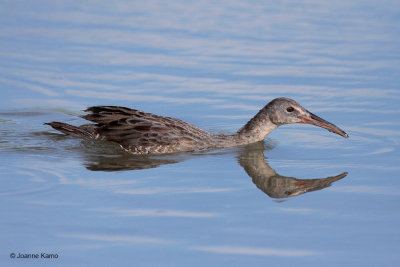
(290, 109)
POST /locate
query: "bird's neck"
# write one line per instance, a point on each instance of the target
(254, 130)
(257, 128)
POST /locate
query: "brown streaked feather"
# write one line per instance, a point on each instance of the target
(139, 132)
(82, 131)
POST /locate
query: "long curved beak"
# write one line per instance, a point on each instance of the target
(317, 121)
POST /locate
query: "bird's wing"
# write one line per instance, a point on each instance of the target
(140, 132)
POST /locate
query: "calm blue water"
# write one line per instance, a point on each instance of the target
(214, 64)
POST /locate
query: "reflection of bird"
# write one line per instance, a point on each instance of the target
(125, 162)
(273, 184)
(144, 133)
(101, 157)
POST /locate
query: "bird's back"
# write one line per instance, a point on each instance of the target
(139, 132)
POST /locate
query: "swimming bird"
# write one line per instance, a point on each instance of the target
(139, 132)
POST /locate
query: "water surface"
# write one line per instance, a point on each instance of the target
(303, 197)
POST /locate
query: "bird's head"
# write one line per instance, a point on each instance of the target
(285, 110)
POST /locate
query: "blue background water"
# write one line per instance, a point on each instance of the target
(214, 64)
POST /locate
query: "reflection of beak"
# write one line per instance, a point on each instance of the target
(315, 120)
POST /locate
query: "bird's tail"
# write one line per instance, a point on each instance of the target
(70, 129)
